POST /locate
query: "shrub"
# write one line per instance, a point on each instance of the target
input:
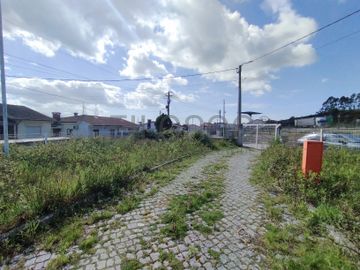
(202, 138)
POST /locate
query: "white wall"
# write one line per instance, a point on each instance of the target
(84, 129)
(105, 131)
(45, 129)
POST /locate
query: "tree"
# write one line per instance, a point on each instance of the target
(357, 99)
(334, 104)
(163, 122)
(330, 104)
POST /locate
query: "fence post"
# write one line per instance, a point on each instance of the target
(321, 135)
(277, 131)
(257, 136)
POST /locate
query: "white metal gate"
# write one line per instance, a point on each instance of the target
(259, 135)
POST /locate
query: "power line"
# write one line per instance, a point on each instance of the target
(34, 69)
(165, 77)
(338, 39)
(301, 38)
(46, 66)
(50, 94)
(132, 79)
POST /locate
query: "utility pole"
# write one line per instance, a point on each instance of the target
(169, 95)
(219, 116)
(83, 109)
(224, 119)
(3, 91)
(239, 126)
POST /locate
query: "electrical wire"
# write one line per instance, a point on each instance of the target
(338, 39)
(51, 94)
(164, 77)
(301, 38)
(45, 66)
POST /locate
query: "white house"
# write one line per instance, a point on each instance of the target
(91, 126)
(25, 123)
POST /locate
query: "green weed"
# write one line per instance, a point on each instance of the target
(130, 264)
(193, 251)
(211, 216)
(127, 204)
(58, 263)
(214, 255)
(88, 243)
(98, 216)
(204, 229)
(64, 237)
(174, 263)
(202, 193)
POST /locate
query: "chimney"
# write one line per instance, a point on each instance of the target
(56, 116)
(76, 114)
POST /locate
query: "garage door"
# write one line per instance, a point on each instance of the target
(33, 131)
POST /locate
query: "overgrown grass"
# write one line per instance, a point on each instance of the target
(52, 178)
(334, 194)
(88, 243)
(45, 178)
(58, 263)
(200, 194)
(64, 236)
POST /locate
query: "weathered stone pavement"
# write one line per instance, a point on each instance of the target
(136, 235)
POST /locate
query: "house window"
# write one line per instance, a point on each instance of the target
(69, 132)
(112, 133)
(96, 132)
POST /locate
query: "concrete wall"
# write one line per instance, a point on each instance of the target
(105, 131)
(24, 126)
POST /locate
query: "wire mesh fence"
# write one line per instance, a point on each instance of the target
(259, 135)
(341, 137)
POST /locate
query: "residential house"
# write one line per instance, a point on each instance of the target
(24, 123)
(91, 126)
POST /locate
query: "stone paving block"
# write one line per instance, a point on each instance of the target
(243, 219)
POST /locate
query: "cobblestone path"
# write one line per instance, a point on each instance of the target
(136, 235)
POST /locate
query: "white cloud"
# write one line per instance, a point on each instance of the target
(152, 94)
(139, 63)
(48, 96)
(181, 34)
(324, 80)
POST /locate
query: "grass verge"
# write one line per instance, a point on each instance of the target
(332, 195)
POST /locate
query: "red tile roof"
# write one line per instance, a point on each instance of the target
(99, 121)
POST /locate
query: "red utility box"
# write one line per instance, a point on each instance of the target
(312, 157)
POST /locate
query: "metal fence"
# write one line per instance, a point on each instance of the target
(343, 137)
(259, 136)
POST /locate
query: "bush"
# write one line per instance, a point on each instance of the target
(203, 139)
(145, 134)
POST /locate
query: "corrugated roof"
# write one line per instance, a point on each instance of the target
(17, 112)
(99, 121)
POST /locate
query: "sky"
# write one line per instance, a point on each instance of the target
(60, 56)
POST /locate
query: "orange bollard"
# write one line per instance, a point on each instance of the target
(312, 157)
